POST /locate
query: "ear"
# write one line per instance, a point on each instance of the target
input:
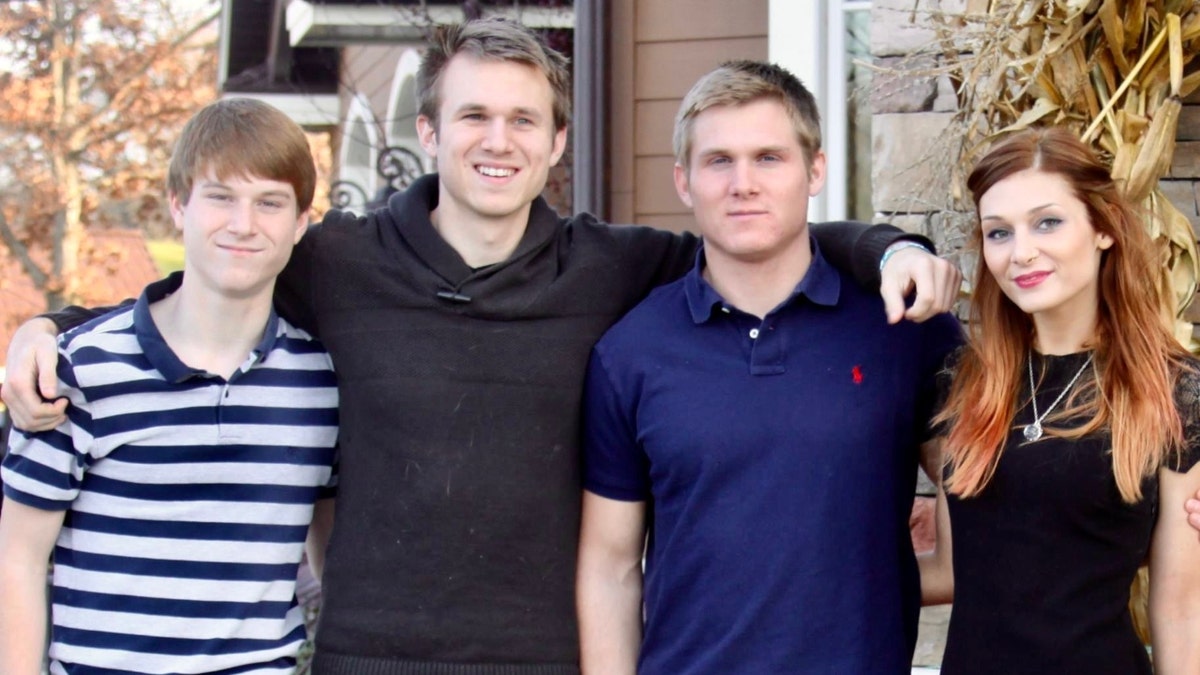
(682, 188)
(301, 227)
(816, 174)
(560, 146)
(1103, 241)
(427, 133)
(176, 206)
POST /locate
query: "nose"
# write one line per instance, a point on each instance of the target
(1024, 250)
(744, 181)
(241, 219)
(496, 138)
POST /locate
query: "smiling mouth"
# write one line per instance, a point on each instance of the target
(495, 171)
(1030, 280)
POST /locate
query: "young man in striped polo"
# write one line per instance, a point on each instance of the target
(177, 497)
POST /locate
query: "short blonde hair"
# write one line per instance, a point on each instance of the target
(739, 82)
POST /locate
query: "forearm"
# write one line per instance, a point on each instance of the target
(937, 566)
(23, 616)
(1175, 578)
(610, 621)
(318, 536)
(858, 247)
(937, 581)
(1175, 630)
(69, 317)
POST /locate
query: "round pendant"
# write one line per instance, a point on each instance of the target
(1032, 431)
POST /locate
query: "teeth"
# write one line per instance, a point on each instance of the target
(495, 172)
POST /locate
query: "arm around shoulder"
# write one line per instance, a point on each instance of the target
(31, 384)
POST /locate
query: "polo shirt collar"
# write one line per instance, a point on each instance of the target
(155, 347)
(821, 285)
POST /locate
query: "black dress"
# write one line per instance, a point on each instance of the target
(1045, 555)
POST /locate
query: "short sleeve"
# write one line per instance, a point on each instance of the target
(943, 379)
(45, 469)
(942, 344)
(1187, 402)
(614, 466)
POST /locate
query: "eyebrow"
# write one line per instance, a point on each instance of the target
(479, 107)
(268, 193)
(1035, 209)
(767, 150)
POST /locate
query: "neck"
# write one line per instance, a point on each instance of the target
(1064, 332)
(757, 287)
(208, 331)
(478, 239)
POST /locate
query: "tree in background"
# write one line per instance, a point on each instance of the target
(94, 93)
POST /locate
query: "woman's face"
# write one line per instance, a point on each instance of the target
(1039, 244)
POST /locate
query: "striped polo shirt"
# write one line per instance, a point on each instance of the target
(187, 498)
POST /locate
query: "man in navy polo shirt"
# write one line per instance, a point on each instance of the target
(763, 416)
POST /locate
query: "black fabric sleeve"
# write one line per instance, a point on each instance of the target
(857, 247)
(69, 317)
(294, 286)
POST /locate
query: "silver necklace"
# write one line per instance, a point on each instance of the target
(1034, 431)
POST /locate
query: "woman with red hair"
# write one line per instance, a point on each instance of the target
(1070, 432)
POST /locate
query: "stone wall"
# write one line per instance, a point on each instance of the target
(911, 113)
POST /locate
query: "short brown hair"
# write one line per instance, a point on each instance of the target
(243, 137)
(739, 82)
(491, 39)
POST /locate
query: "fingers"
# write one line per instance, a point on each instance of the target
(30, 378)
(45, 356)
(944, 281)
(936, 283)
(1193, 508)
(893, 300)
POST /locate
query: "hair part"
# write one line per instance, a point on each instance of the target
(736, 83)
(247, 138)
(1130, 391)
(491, 39)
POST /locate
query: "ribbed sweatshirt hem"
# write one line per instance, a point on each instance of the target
(325, 663)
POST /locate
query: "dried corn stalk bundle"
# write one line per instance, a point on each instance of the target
(1112, 70)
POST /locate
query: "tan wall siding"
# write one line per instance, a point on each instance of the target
(660, 48)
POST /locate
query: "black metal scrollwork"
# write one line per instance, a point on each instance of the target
(344, 193)
(400, 166)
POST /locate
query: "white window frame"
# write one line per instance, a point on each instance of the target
(809, 39)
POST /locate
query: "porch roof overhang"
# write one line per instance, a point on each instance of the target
(316, 24)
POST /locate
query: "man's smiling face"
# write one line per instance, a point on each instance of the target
(494, 140)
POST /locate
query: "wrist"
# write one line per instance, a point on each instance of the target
(897, 247)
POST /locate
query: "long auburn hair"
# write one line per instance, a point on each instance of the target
(1136, 358)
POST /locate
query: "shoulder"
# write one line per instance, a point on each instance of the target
(113, 331)
(654, 320)
(630, 237)
(305, 350)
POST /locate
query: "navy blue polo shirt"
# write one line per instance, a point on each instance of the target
(778, 460)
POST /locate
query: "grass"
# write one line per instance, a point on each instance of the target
(167, 254)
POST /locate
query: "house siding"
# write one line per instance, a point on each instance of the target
(660, 48)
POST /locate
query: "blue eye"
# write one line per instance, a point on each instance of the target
(1049, 223)
(997, 234)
